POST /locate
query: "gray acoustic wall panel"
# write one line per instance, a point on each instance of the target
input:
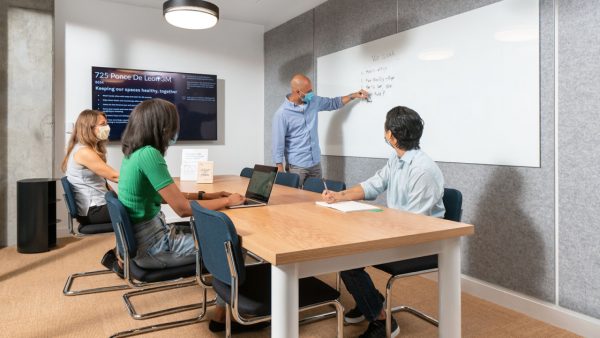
(288, 50)
(579, 158)
(341, 24)
(511, 207)
(414, 13)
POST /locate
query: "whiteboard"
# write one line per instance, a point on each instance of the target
(473, 78)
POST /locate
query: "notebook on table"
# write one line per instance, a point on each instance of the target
(349, 206)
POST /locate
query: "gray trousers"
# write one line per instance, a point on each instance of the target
(304, 173)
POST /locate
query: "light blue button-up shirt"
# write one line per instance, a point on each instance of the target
(414, 183)
(295, 131)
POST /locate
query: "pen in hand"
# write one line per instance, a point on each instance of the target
(325, 184)
(327, 195)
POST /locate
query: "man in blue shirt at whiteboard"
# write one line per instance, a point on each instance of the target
(295, 127)
(414, 183)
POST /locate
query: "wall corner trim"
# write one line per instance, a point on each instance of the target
(543, 311)
(546, 312)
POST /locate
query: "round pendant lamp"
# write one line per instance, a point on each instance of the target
(191, 14)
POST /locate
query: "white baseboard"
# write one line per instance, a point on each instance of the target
(543, 311)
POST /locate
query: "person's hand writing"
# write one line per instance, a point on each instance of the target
(235, 199)
(329, 196)
(362, 94)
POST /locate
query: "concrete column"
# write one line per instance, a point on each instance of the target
(26, 102)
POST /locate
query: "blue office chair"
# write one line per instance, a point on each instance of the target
(247, 172)
(420, 265)
(83, 231)
(149, 280)
(247, 289)
(288, 179)
(316, 185)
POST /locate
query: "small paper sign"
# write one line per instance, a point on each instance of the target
(189, 163)
(205, 172)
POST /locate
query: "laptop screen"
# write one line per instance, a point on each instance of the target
(261, 183)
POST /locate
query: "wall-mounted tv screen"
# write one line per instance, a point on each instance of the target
(116, 91)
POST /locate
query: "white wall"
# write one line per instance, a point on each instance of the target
(100, 33)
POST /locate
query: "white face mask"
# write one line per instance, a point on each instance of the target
(103, 132)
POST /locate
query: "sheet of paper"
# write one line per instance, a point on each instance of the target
(170, 215)
(348, 206)
(205, 171)
(189, 163)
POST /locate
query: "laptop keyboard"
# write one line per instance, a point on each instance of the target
(251, 202)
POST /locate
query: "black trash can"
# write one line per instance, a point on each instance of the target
(36, 215)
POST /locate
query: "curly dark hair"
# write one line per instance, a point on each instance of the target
(406, 126)
(151, 123)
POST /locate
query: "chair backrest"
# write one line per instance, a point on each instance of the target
(213, 229)
(69, 196)
(289, 179)
(453, 204)
(247, 172)
(119, 215)
(316, 185)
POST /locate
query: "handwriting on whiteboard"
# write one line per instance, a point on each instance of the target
(376, 80)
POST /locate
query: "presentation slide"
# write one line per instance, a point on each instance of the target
(116, 91)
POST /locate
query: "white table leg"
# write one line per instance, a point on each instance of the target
(449, 289)
(284, 301)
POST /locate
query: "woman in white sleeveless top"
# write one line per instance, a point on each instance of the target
(87, 171)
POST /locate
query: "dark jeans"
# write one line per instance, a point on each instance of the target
(96, 215)
(368, 300)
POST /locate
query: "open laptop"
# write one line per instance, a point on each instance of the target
(259, 187)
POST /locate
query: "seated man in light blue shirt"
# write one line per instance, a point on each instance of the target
(295, 127)
(414, 183)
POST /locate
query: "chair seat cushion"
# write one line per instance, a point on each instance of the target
(410, 265)
(90, 229)
(159, 275)
(255, 293)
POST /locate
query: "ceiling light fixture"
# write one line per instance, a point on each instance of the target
(191, 14)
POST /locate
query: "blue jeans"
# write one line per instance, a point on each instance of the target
(368, 300)
(162, 245)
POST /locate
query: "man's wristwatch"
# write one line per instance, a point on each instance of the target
(200, 195)
(350, 96)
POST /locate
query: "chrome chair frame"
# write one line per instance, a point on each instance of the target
(150, 287)
(232, 309)
(69, 283)
(199, 279)
(404, 308)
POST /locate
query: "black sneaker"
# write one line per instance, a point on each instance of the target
(116, 268)
(109, 259)
(355, 316)
(236, 327)
(376, 329)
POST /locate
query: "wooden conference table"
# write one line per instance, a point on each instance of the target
(301, 239)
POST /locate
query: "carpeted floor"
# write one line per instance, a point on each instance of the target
(33, 304)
